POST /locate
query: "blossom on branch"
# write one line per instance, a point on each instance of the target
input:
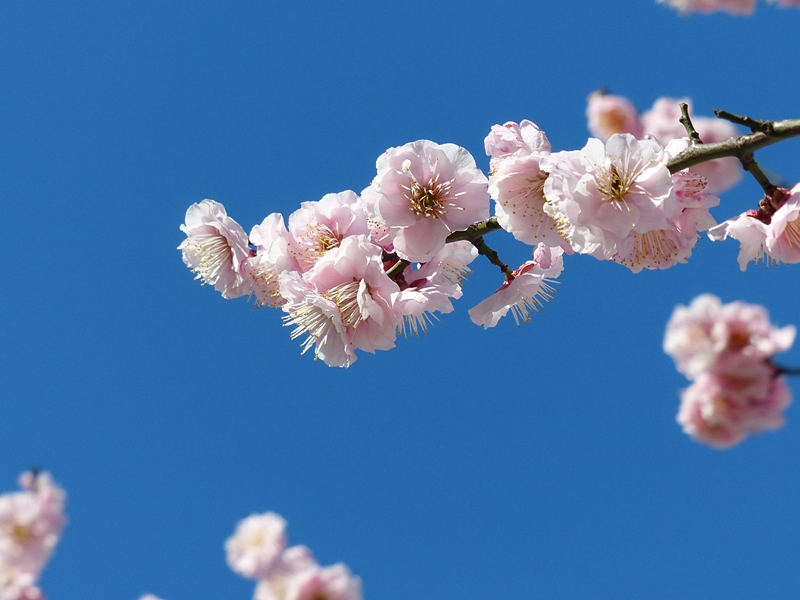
(602, 194)
(425, 191)
(524, 290)
(727, 350)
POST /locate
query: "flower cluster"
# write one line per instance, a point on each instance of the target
(257, 550)
(354, 271)
(727, 351)
(733, 7)
(31, 522)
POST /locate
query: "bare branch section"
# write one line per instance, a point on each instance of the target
(772, 133)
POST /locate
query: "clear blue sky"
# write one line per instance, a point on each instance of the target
(541, 462)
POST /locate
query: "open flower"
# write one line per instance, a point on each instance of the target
(425, 191)
(345, 302)
(328, 583)
(524, 291)
(782, 241)
(603, 193)
(215, 249)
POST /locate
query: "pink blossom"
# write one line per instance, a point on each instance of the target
(525, 290)
(293, 563)
(603, 193)
(18, 585)
(272, 258)
(663, 122)
(512, 139)
(149, 597)
(31, 522)
(710, 336)
(783, 232)
(215, 248)
(426, 191)
(610, 114)
(517, 185)
(429, 288)
(721, 411)
(256, 545)
(664, 248)
(734, 7)
(345, 302)
(750, 231)
(329, 583)
(317, 227)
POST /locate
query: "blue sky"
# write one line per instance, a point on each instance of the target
(539, 462)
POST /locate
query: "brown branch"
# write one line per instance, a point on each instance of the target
(738, 147)
(686, 121)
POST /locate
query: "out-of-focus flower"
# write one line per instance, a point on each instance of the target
(31, 522)
(256, 545)
(734, 7)
(215, 248)
(292, 563)
(149, 597)
(603, 193)
(425, 192)
(786, 3)
(609, 114)
(728, 349)
(525, 290)
(663, 122)
(328, 583)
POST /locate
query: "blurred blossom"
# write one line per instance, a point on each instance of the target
(734, 7)
(609, 114)
(727, 350)
(256, 545)
(31, 522)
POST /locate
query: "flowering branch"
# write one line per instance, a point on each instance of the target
(767, 133)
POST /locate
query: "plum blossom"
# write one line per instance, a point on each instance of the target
(149, 597)
(328, 583)
(664, 248)
(215, 249)
(256, 545)
(517, 182)
(727, 350)
(662, 121)
(426, 191)
(524, 291)
(782, 241)
(345, 302)
(750, 230)
(272, 258)
(31, 522)
(317, 227)
(603, 193)
(292, 563)
(734, 7)
(431, 287)
(609, 114)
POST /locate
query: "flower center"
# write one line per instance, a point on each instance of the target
(20, 533)
(345, 297)
(429, 199)
(613, 184)
(213, 253)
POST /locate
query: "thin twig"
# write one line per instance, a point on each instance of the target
(686, 121)
(493, 257)
(751, 124)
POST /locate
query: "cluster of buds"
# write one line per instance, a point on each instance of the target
(31, 522)
(727, 350)
(733, 7)
(258, 550)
